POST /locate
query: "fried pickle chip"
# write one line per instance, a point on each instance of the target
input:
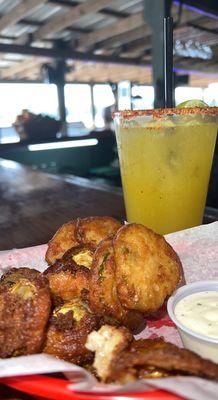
(63, 240)
(106, 343)
(94, 229)
(68, 330)
(147, 268)
(80, 231)
(159, 358)
(119, 358)
(103, 297)
(69, 277)
(25, 306)
(72, 248)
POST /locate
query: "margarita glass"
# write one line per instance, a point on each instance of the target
(165, 159)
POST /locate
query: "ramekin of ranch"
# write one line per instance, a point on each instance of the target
(194, 310)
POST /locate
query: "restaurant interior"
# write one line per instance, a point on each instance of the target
(108, 199)
(65, 67)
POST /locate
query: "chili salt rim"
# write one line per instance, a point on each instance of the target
(165, 112)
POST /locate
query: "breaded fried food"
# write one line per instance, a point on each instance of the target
(72, 248)
(63, 240)
(80, 231)
(103, 297)
(69, 276)
(106, 343)
(147, 268)
(145, 356)
(25, 307)
(121, 359)
(103, 294)
(94, 229)
(69, 327)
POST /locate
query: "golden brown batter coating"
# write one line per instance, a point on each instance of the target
(121, 359)
(103, 297)
(103, 294)
(69, 276)
(106, 343)
(25, 307)
(144, 355)
(147, 268)
(94, 229)
(132, 274)
(68, 330)
(71, 251)
(63, 240)
(89, 230)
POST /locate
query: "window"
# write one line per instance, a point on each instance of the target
(78, 107)
(124, 95)
(36, 97)
(103, 101)
(187, 93)
(142, 97)
(211, 94)
(14, 97)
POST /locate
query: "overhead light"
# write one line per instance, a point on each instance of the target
(193, 49)
(63, 145)
(9, 139)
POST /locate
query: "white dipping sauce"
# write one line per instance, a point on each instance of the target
(199, 312)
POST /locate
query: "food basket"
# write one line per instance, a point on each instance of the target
(197, 248)
(52, 388)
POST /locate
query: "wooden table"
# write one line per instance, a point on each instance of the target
(34, 204)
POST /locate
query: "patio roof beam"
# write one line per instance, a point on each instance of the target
(18, 12)
(65, 54)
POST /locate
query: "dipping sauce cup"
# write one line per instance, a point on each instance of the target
(165, 159)
(202, 344)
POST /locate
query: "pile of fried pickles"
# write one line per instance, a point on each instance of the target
(104, 279)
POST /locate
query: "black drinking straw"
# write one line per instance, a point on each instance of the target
(168, 61)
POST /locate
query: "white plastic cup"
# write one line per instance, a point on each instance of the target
(203, 345)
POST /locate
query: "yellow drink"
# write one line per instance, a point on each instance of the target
(165, 165)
